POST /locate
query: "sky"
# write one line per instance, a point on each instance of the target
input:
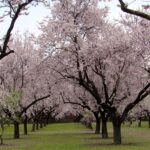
(38, 13)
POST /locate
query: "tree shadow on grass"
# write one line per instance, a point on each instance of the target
(21, 138)
(111, 144)
(71, 133)
(6, 145)
(98, 138)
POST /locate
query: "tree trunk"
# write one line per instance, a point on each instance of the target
(47, 120)
(37, 125)
(149, 121)
(98, 124)
(1, 139)
(117, 131)
(16, 130)
(41, 124)
(2, 132)
(25, 126)
(139, 121)
(33, 126)
(104, 128)
(130, 122)
(44, 123)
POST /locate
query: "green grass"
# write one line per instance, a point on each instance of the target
(74, 136)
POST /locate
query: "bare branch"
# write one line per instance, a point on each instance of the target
(125, 8)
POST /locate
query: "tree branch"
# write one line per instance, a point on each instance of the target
(34, 102)
(3, 50)
(142, 94)
(125, 8)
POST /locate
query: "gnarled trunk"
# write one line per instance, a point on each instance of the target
(98, 123)
(16, 130)
(98, 126)
(117, 130)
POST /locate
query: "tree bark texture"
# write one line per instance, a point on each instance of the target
(16, 130)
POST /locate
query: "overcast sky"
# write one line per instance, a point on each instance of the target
(36, 14)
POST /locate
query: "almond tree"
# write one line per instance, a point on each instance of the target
(42, 113)
(97, 56)
(80, 98)
(15, 73)
(119, 104)
(68, 32)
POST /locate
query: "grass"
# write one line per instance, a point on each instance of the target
(74, 136)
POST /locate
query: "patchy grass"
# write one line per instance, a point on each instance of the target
(73, 136)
